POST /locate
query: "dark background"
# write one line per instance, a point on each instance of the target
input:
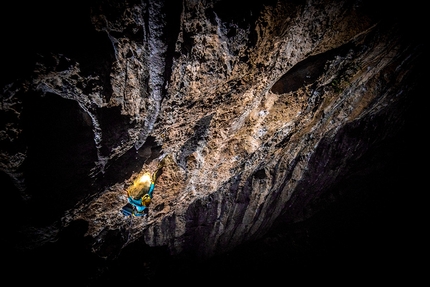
(372, 232)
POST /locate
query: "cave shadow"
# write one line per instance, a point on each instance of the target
(61, 154)
(306, 71)
(200, 129)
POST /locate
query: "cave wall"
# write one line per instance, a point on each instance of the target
(256, 111)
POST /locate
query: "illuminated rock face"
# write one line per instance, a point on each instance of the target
(256, 112)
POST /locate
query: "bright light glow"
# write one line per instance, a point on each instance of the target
(145, 178)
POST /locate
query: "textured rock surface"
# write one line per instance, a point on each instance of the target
(260, 114)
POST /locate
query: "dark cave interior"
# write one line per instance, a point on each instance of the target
(370, 229)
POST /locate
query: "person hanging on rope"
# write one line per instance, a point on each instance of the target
(139, 195)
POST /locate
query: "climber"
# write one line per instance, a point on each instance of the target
(140, 195)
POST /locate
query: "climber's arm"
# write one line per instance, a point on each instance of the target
(151, 189)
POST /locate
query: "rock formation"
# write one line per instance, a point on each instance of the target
(259, 112)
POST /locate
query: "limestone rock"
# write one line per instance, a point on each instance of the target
(257, 112)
